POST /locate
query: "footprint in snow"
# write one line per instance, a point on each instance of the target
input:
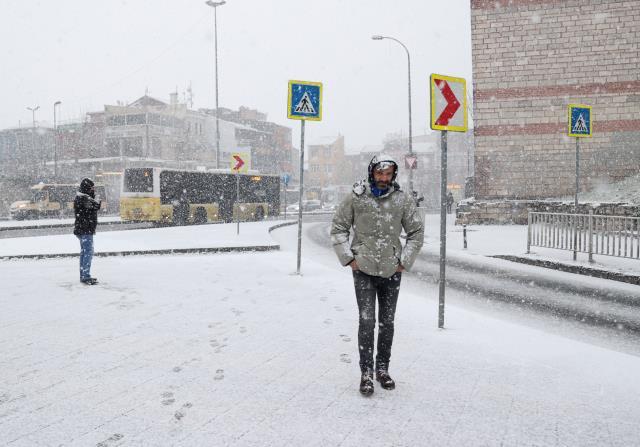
(345, 358)
(167, 398)
(345, 338)
(219, 374)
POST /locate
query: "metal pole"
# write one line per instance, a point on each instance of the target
(410, 125)
(528, 231)
(215, 28)
(33, 131)
(378, 37)
(285, 201)
(443, 225)
(575, 226)
(590, 244)
(55, 144)
(301, 193)
(464, 236)
(238, 199)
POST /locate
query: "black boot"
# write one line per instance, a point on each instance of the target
(386, 382)
(366, 383)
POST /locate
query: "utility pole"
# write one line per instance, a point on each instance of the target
(215, 5)
(55, 143)
(33, 129)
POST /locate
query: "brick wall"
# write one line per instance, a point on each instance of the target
(531, 58)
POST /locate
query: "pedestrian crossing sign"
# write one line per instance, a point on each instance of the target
(580, 122)
(304, 101)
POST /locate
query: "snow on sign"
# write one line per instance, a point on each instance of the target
(448, 103)
(305, 101)
(579, 120)
(240, 161)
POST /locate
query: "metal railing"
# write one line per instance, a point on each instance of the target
(585, 233)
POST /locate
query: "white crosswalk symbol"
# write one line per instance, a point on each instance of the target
(305, 105)
(581, 125)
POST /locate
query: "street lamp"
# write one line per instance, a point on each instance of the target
(377, 37)
(33, 128)
(55, 142)
(215, 5)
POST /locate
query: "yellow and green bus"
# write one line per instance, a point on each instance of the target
(181, 197)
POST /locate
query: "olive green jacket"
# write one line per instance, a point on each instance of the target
(377, 223)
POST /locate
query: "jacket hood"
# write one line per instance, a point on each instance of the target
(382, 161)
(85, 186)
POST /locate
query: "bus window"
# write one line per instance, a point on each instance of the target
(138, 180)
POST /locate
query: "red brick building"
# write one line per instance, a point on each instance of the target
(531, 58)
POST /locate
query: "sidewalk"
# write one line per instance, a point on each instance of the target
(510, 242)
(235, 350)
(49, 223)
(253, 235)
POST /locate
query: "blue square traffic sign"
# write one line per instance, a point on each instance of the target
(305, 100)
(579, 120)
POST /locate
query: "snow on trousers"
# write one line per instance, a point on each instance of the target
(386, 290)
(86, 255)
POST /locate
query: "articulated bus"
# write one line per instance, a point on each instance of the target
(179, 197)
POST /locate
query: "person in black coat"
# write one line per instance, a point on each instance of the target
(86, 209)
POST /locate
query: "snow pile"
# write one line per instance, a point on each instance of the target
(624, 191)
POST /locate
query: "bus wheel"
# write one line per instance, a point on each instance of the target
(200, 216)
(259, 213)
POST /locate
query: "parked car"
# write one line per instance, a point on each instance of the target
(311, 205)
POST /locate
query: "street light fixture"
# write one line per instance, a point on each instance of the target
(378, 37)
(55, 142)
(215, 5)
(33, 128)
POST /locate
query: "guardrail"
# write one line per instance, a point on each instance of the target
(617, 236)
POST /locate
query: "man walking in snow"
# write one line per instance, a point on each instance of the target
(377, 210)
(86, 209)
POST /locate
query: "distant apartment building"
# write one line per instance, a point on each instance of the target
(270, 143)
(146, 132)
(327, 163)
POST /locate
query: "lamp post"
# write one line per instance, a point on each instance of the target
(33, 128)
(55, 142)
(377, 37)
(215, 5)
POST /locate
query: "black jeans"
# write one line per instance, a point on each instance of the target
(386, 289)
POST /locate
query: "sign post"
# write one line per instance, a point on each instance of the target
(239, 163)
(304, 102)
(448, 113)
(285, 179)
(579, 127)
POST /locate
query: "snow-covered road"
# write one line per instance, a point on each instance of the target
(232, 349)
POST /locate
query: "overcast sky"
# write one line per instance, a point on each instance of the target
(87, 53)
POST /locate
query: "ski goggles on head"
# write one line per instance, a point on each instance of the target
(384, 165)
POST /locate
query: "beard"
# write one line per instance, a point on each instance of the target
(382, 184)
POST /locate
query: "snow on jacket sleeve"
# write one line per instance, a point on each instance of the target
(414, 227)
(340, 229)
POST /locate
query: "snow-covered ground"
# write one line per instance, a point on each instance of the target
(47, 222)
(201, 236)
(233, 349)
(490, 240)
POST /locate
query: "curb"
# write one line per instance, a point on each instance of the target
(48, 226)
(170, 251)
(578, 269)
